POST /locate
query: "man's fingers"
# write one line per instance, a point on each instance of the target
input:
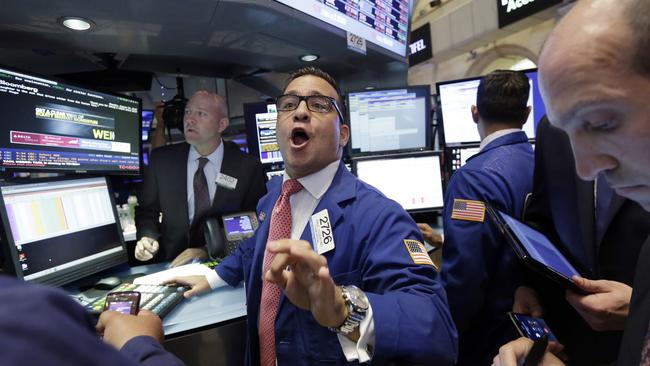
(590, 286)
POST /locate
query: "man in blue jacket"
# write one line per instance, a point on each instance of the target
(480, 271)
(359, 285)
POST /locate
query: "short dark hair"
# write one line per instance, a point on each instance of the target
(314, 71)
(637, 16)
(502, 96)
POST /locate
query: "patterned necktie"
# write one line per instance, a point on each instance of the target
(201, 193)
(280, 228)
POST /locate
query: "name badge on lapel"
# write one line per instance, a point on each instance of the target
(321, 232)
(226, 181)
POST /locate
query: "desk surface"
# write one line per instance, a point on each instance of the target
(209, 309)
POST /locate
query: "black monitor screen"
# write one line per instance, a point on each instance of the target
(457, 98)
(390, 120)
(147, 121)
(50, 126)
(413, 180)
(62, 230)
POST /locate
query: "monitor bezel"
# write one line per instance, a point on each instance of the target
(428, 130)
(437, 153)
(81, 171)
(11, 263)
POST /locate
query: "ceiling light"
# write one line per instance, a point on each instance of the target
(76, 23)
(309, 57)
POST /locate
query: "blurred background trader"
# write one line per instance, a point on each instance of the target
(480, 272)
(365, 286)
(600, 232)
(599, 98)
(188, 182)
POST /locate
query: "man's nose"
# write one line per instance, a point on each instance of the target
(590, 161)
(302, 112)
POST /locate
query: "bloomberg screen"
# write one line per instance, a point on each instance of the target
(47, 125)
(382, 22)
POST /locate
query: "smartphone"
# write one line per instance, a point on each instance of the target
(533, 328)
(125, 302)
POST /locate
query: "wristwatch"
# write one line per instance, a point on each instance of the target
(357, 303)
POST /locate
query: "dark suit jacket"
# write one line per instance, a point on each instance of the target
(562, 206)
(638, 321)
(165, 191)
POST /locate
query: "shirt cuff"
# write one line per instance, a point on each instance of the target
(214, 280)
(362, 350)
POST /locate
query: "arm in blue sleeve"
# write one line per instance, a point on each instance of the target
(410, 312)
(147, 351)
(466, 254)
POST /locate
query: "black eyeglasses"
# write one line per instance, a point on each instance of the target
(315, 103)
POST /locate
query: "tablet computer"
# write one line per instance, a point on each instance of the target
(535, 250)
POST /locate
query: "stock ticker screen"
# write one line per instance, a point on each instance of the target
(48, 125)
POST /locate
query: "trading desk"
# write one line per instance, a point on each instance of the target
(206, 330)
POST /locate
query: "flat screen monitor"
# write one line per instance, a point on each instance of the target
(384, 23)
(458, 156)
(147, 121)
(260, 119)
(61, 230)
(413, 180)
(389, 120)
(47, 125)
(457, 98)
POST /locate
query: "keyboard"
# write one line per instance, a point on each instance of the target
(156, 298)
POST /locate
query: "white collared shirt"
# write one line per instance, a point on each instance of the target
(211, 171)
(495, 135)
(303, 204)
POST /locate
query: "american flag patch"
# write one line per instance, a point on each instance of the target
(468, 210)
(418, 252)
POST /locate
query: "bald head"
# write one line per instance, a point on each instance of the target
(595, 82)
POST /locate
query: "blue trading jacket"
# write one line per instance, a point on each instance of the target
(480, 271)
(410, 312)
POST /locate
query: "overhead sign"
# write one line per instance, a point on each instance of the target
(511, 11)
(420, 45)
(356, 43)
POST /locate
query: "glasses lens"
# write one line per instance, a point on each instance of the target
(320, 104)
(287, 102)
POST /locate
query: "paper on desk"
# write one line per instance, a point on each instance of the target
(194, 269)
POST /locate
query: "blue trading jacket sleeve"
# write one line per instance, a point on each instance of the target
(466, 259)
(410, 312)
(233, 266)
(44, 326)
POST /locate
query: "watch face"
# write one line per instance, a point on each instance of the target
(357, 297)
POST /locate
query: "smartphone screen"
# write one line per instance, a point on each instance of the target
(533, 328)
(126, 302)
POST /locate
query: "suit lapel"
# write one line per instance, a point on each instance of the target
(614, 206)
(179, 169)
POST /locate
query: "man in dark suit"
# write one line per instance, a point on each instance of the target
(598, 95)
(187, 182)
(599, 231)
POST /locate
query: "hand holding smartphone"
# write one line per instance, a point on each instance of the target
(125, 302)
(533, 328)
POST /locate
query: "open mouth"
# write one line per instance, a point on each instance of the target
(299, 137)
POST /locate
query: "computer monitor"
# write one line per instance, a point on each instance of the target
(389, 120)
(383, 23)
(147, 121)
(60, 230)
(47, 125)
(457, 98)
(413, 180)
(260, 119)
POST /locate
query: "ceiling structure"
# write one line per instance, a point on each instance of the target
(230, 39)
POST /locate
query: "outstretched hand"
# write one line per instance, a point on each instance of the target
(304, 277)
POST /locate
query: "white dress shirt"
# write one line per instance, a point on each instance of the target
(495, 135)
(211, 171)
(303, 204)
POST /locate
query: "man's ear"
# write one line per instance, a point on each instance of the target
(475, 115)
(344, 134)
(223, 124)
